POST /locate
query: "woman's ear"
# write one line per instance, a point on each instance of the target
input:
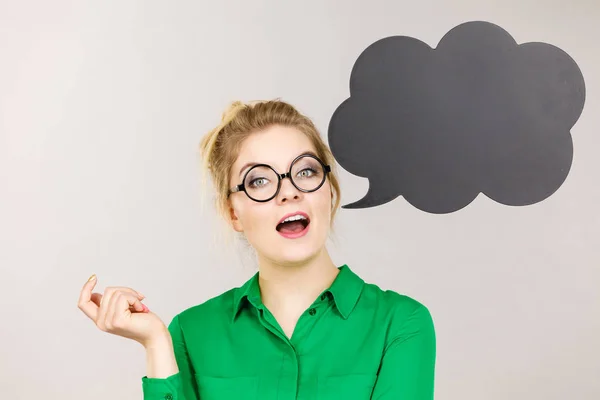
(332, 195)
(236, 224)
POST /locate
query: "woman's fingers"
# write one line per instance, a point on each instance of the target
(110, 309)
(126, 289)
(119, 309)
(103, 308)
(85, 304)
(96, 298)
(109, 316)
(106, 303)
(132, 302)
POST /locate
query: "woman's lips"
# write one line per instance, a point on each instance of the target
(295, 235)
(288, 233)
(305, 215)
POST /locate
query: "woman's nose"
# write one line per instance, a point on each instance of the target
(288, 191)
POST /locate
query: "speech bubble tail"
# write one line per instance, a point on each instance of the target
(373, 198)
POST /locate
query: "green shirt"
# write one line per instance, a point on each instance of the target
(355, 342)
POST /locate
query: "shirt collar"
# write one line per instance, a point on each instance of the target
(249, 292)
(345, 290)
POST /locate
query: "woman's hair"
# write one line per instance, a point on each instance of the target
(220, 147)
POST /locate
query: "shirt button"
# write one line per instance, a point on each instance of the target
(312, 311)
(168, 396)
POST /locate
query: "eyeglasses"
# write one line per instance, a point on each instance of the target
(262, 183)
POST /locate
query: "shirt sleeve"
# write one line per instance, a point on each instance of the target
(408, 365)
(180, 386)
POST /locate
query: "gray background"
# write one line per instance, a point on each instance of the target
(102, 105)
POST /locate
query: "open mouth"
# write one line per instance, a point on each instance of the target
(293, 226)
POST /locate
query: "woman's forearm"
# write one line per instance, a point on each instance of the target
(160, 358)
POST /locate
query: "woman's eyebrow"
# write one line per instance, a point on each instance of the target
(253, 163)
(247, 165)
(310, 153)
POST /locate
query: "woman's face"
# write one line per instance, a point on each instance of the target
(287, 243)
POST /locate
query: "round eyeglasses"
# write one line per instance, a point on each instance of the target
(262, 183)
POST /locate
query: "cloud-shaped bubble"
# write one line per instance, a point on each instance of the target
(478, 114)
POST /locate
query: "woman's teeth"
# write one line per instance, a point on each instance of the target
(294, 218)
(295, 223)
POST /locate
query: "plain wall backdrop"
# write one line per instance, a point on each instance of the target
(102, 107)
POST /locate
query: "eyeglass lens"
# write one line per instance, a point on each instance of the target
(261, 182)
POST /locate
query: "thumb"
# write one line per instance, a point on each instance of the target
(85, 303)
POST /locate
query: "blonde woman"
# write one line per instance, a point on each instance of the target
(301, 327)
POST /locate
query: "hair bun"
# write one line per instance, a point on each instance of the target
(231, 111)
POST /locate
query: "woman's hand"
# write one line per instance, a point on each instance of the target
(119, 311)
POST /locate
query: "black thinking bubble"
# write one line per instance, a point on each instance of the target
(479, 113)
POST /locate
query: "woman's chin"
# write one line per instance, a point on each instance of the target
(294, 252)
(297, 255)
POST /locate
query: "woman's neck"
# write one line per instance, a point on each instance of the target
(292, 288)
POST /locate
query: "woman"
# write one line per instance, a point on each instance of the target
(301, 327)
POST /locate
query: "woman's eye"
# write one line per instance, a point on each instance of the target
(257, 182)
(305, 173)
